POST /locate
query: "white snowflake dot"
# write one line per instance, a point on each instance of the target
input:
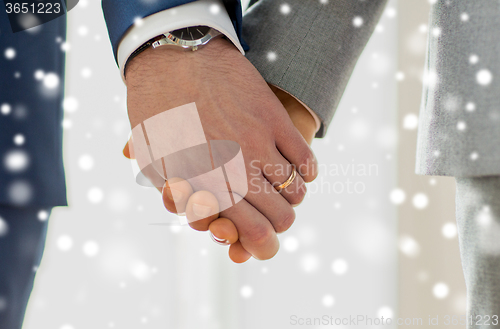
(461, 125)
(470, 107)
(386, 312)
(95, 195)
(484, 77)
(5, 109)
(430, 78)
(309, 263)
(271, 56)
(436, 153)
(440, 290)
(409, 246)
(420, 201)
(138, 21)
(436, 32)
(397, 196)
(449, 230)
(10, 53)
(65, 46)
(39, 74)
(70, 104)
(64, 242)
(19, 139)
(340, 266)
(51, 80)
(285, 9)
(473, 59)
(246, 291)
(86, 162)
(410, 121)
(90, 248)
(214, 9)
(86, 73)
(83, 30)
(357, 21)
(400, 76)
(474, 156)
(43, 215)
(464, 17)
(67, 123)
(390, 12)
(291, 244)
(16, 161)
(328, 300)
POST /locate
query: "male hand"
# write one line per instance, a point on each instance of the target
(234, 103)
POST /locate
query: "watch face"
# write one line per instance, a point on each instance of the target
(191, 33)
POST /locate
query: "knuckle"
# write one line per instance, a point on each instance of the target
(259, 236)
(306, 166)
(285, 221)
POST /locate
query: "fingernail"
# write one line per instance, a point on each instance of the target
(222, 242)
(201, 210)
(176, 195)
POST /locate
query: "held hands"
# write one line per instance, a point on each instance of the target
(234, 103)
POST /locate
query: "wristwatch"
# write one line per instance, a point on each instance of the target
(191, 38)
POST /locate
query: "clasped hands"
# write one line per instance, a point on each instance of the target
(234, 103)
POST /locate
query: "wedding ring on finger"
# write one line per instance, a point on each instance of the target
(288, 182)
(222, 242)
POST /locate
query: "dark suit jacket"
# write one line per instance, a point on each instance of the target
(36, 113)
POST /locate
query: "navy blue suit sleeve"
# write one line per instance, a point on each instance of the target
(120, 15)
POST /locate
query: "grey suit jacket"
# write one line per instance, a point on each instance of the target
(315, 44)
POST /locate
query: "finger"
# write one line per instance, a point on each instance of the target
(278, 171)
(238, 254)
(295, 149)
(175, 194)
(255, 232)
(128, 150)
(300, 116)
(264, 197)
(201, 209)
(223, 231)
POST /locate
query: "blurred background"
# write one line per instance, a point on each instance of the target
(371, 238)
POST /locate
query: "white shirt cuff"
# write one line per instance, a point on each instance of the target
(211, 13)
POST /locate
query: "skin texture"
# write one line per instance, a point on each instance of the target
(232, 100)
(223, 229)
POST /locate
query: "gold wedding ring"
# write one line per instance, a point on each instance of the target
(288, 182)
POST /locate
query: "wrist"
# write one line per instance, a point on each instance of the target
(154, 61)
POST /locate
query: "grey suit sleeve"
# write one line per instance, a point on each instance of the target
(310, 48)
